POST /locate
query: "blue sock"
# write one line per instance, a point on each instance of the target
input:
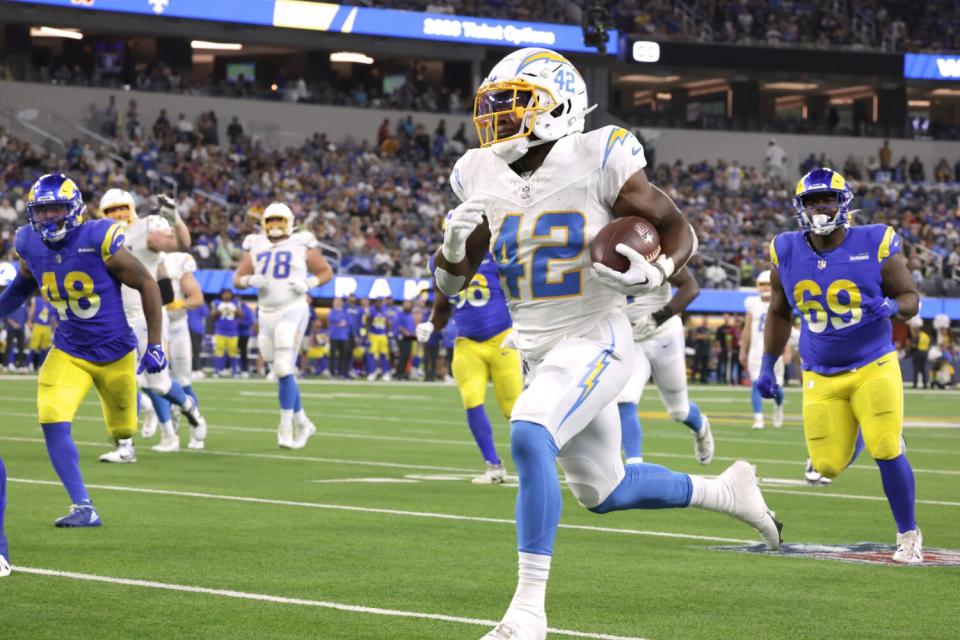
(755, 399)
(288, 393)
(631, 432)
(297, 404)
(370, 363)
(66, 460)
(219, 363)
(176, 394)
(694, 419)
(648, 486)
(188, 389)
(482, 432)
(4, 550)
(538, 500)
(778, 398)
(324, 364)
(235, 365)
(160, 404)
(897, 476)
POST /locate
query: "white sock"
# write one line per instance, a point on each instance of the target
(637, 460)
(531, 594)
(301, 416)
(710, 494)
(758, 417)
(166, 429)
(126, 442)
(146, 404)
(286, 417)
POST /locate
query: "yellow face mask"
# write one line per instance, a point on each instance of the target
(508, 109)
(121, 213)
(276, 227)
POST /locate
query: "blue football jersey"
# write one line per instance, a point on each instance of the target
(826, 289)
(480, 310)
(73, 278)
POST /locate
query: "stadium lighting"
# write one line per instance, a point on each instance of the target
(215, 46)
(790, 86)
(647, 78)
(945, 92)
(918, 103)
(350, 56)
(51, 32)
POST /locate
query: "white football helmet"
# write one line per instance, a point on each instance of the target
(530, 97)
(763, 277)
(278, 221)
(119, 205)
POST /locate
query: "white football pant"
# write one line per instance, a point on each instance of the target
(662, 355)
(281, 333)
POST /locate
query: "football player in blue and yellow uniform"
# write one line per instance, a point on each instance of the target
(378, 329)
(846, 283)
(79, 266)
(481, 314)
(41, 331)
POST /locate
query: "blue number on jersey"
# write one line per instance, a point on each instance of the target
(570, 248)
(281, 266)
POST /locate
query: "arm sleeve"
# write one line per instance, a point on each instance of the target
(620, 156)
(16, 293)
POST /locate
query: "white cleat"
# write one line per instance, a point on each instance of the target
(495, 474)
(168, 444)
(813, 477)
(387, 377)
(196, 445)
(199, 432)
(703, 442)
(305, 432)
(4, 567)
(123, 454)
(285, 436)
(150, 424)
(747, 502)
(777, 416)
(909, 547)
(758, 423)
(519, 625)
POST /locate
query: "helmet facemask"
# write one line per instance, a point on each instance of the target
(121, 213)
(276, 227)
(50, 219)
(823, 211)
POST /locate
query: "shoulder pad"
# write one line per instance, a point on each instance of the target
(249, 241)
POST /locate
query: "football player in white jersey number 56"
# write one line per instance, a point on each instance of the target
(283, 266)
(535, 194)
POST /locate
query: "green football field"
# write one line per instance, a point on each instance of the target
(374, 530)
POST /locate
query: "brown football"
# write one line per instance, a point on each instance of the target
(633, 231)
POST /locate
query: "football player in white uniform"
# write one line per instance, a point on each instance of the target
(751, 351)
(283, 265)
(147, 238)
(535, 194)
(661, 351)
(187, 295)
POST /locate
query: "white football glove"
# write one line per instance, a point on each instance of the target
(424, 331)
(257, 281)
(167, 209)
(460, 224)
(641, 277)
(644, 328)
(299, 287)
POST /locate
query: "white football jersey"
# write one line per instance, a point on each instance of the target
(282, 263)
(136, 243)
(757, 309)
(641, 306)
(177, 264)
(542, 226)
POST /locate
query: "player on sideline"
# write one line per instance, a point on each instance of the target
(41, 326)
(4, 548)
(146, 238)
(480, 356)
(79, 267)
(846, 283)
(751, 351)
(661, 351)
(283, 265)
(534, 195)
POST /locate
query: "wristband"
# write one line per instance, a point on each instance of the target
(312, 282)
(244, 282)
(662, 315)
(894, 307)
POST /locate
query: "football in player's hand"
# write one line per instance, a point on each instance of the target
(633, 231)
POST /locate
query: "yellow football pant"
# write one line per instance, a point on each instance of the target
(226, 345)
(379, 344)
(475, 363)
(65, 380)
(834, 406)
(41, 337)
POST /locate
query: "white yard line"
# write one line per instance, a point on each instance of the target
(301, 602)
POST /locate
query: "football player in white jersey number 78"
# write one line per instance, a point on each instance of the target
(535, 194)
(283, 265)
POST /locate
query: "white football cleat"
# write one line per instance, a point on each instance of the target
(4, 567)
(150, 424)
(703, 442)
(813, 477)
(495, 474)
(306, 429)
(777, 416)
(194, 444)
(747, 503)
(519, 625)
(758, 423)
(123, 454)
(387, 377)
(909, 547)
(285, 436)
(199, 432)
(168, 444)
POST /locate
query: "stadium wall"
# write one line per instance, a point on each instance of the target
(278, 124)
